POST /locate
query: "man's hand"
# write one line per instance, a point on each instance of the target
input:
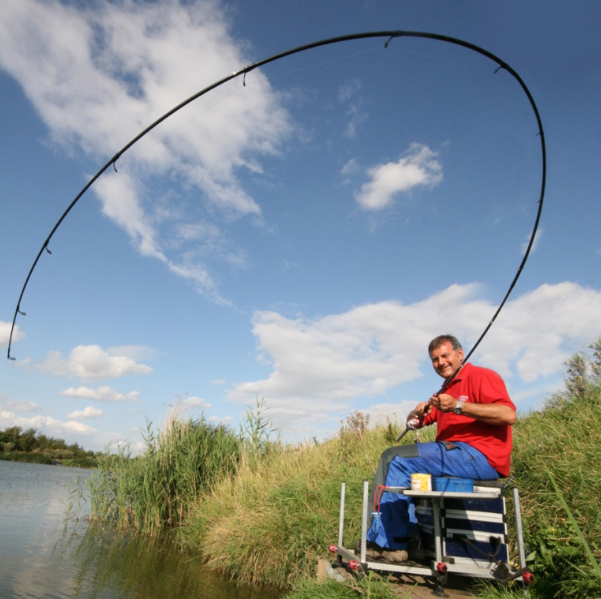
(492, 413)
(416, 417)
(443, 402)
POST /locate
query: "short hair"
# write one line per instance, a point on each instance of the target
(438, 341)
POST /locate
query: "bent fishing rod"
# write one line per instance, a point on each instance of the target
(389, 35)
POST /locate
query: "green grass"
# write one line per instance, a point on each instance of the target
(366, 587)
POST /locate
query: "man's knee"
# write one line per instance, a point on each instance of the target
(401, 451)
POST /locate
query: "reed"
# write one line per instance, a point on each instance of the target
(154, 491)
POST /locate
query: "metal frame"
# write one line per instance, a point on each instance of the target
(441, 563)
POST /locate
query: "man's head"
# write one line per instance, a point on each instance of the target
(446, 354)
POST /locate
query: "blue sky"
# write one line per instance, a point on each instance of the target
(298, 236)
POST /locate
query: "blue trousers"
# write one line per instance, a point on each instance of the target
(395, 523)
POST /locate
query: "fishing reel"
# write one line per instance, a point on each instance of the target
(410, 425)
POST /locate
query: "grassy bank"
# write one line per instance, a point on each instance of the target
(263, 512)
(271, 522)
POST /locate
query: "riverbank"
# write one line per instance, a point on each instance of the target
(267, 514)
(29, 457)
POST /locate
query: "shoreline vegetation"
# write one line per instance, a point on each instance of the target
(18, 445)
(263, 512)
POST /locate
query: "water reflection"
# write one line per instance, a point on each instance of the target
(42, 557)
(111, 564)
(33, 500)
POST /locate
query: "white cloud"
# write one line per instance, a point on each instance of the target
(196, 402)
(347, 94)
(349, 90)
(45, 424)
(135, 352)
(99, 75)
(351, 167)
(537, 238)
(395, 413)
(217, 419)
(105, 393)
(540, 330)
(416, 168)
(89, 412)
(321, 366)
(71, 431)
(20, 406)
(91, 362)
(5, 333)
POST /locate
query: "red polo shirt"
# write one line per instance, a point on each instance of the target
(477, 385)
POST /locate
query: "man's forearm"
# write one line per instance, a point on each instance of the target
(490, 413)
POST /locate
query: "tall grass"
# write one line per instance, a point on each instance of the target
(156, 490)
(557, 459)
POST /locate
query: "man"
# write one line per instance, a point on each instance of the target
(474, 415)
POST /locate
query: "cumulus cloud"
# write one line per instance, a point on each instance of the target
(320, 366)
(105, 393)
(99, 75)
(46, 424)
(89, 412)
(417, 167)
(91, 362)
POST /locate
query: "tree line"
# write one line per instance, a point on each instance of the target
(30, 445)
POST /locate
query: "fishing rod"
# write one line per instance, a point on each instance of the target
(390, 35)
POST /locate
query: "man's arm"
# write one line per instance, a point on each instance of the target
(491, 413)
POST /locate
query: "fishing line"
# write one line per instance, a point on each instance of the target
(190, 120)
(271, 78)
(437, 58)
(390, 36)
(324, 63)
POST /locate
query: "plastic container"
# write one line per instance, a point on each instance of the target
(452, 484)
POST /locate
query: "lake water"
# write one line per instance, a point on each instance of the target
(44, 557)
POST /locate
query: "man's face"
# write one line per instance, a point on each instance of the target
(446, 360)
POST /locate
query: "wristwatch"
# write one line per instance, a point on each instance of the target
(459, 407)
